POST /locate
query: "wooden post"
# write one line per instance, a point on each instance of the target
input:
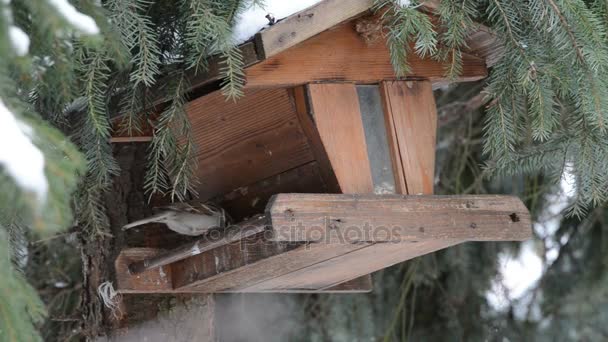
(411, 118)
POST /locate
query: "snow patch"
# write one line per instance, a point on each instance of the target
(254, 19)
(22, 160)
(19, 40)
(80, 21)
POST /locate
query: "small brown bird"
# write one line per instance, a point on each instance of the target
(186, 219)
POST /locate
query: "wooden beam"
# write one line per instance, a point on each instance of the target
(159, 281)
(251, 199)
(342, 55)
(398, 218)
(276, 259)
(335, 108)
(308, 23)
(214, 239)
(351, 265)
(305, 116)
(152, 281)
(411, 117)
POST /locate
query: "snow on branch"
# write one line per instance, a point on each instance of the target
(80, 21)
(21, 159)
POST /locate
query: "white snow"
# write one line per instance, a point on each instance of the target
(19, 40)
(21, 159)
(254, 19)
(80, 21)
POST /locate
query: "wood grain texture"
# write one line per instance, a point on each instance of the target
(411, 113)
(240, 143)
(398, 218)
(283, 260)
(214, 239)
(302, 104)
(308, 23)
(152, 281)
(352, 265)
(341, 55)
(251, 199)
(335, 108)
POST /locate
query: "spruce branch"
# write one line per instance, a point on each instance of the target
(172, 161)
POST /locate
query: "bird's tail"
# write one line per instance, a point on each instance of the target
(153, 218)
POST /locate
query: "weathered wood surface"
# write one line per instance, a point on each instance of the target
(351, 265)
(398, 218)
(308, 23)
(157, 282)
(302, 104)
(341, 55)
(234, 275)
(152, 281)
(251, 199)
(367, 256)
(411, 114)
(240, 143)
(262, 259)
(215, 239)
(336, 113)
(335, 108)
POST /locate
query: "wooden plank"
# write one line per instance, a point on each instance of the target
(251, 199)
(152, 281)
(214, 239)
(351, 265)
(340, 54)
(308, 23)
(157, 98)
(411, 111)
(363, 284)
(301, 102)
(336, 113)
(276, 259)
(240, 143)
(398, 218)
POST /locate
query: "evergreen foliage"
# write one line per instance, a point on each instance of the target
(72, 84)
(548, 95)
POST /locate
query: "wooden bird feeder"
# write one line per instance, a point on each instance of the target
(327, 162)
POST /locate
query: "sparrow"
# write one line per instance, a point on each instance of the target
(186, 219)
